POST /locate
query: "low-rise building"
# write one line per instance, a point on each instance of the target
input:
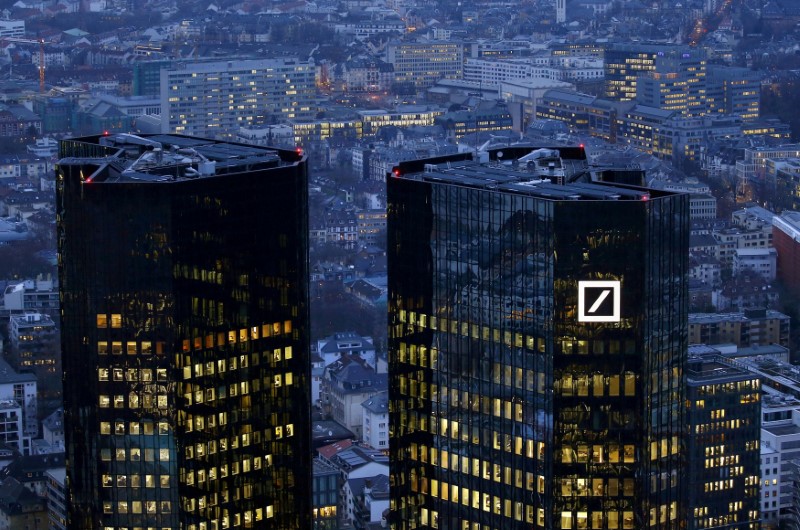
(367, 499)
(325, 489)
(763, 261)
(747, 328)
(37, 295)
(21, 388)
(349, 381)
(375, 430)
(57, 498)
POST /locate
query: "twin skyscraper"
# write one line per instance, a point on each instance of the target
(537, 339)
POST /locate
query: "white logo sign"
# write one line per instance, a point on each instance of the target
(598, 301)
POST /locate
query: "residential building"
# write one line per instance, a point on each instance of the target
(184, 284)
(517, 377)
(723, 434)
(20, 389)
(12, 28)
(780, 440)
(368, 499)
(21, 508)
(364, 75)
(375, 430)
(57, 498)
(36, 295)
(702, 206)
(746, 328)
(347, 383)
(761, 260)
(344, 344)
(326, 496)
(370, 223)
(11, 426)
(216, 98)
(36, 348)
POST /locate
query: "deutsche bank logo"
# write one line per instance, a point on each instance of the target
(598, 301)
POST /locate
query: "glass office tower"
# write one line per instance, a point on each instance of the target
(183, 275)
(536, 346)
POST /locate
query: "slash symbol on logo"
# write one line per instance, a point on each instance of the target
(598, 301)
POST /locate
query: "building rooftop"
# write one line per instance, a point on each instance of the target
(9, 376)
(788, 223)
(705, 369)
(558, 173)
(166, 157)
(782, 429)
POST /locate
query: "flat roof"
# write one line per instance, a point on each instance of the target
(782, 429)
(547, 173)
(167, 157)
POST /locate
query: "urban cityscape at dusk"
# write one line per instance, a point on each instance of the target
(365, 264)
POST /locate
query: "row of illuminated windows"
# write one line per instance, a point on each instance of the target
(246, 518)
(660, 513)
(131, 374)
(720, 461)
(662, 448)
(243, 388)
(200, 450)
(579, 385)
(136, 507)
(490, 406)
(478, 501)
(135, 428)
(476, 467)
(242, 335)
(718, 485)
(200, 423)
(467, 329)
(530, 448)
(232, 363)
(721, 425)
(144, 400)
(597, 487)
(727, 388)
(131, 347)
(201, 476)
(135, 481)
(134, 454)
(103, 320)
(612, 520)
(613, 453)
(324, 512)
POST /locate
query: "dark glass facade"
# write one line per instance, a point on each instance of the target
(183, 275)
(723, 445)
(516, 401)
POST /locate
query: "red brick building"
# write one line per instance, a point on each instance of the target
(786, 240)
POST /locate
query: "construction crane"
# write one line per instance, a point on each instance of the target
(41, 43)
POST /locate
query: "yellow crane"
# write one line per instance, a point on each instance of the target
(41, 43)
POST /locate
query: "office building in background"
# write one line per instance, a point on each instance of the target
(537, 342)
(723, 444)
(183, 276)
(215, 99)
